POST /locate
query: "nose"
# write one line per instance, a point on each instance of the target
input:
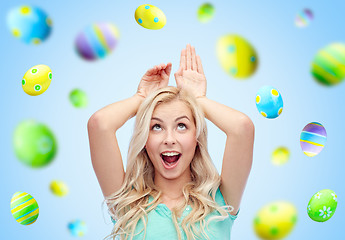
(169, 138)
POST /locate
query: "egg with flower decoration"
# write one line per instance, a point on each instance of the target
(322, 205)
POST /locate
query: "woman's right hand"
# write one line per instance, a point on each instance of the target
(155, 78)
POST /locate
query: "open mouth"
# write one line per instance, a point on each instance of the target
(170, 161)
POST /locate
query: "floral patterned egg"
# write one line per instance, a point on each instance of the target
(322, 205)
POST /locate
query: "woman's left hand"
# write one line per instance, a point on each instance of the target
(191, 74)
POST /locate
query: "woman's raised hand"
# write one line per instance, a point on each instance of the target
(191, 74)
(155, 78)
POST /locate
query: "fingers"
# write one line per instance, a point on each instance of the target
(189, 57)
(183, 63)
(168, 69)
(193, 58)
(200, 68)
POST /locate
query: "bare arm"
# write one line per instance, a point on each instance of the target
(238, 153)
(102, 126)
(239, 129)
(105, 153)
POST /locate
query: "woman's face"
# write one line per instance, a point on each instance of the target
(172, 140)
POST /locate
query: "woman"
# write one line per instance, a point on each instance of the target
(171, 188)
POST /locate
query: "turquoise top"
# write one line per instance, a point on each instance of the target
(160, 225)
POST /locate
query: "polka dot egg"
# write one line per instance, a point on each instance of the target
(150, 17)
(328, 66)
(24, 208)
(322, 205)
(29, 24)
(269, 102)
(275, 220)
(77, 228)
(37, 80)
(236, 56)
(313, 139)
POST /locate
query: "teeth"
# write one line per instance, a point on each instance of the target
(170, 154)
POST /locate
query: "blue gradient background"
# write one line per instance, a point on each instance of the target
(285, 53)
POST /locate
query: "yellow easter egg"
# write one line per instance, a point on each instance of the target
(150, 17)
(275, 220)
(37, 80)
(237, 57)
(58, 188)
(280, 156)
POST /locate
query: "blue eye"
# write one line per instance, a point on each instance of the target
(182, 124)
(156, 125)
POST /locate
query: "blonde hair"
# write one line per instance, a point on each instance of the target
(131, 202)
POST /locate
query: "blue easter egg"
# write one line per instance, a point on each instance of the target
(29, 24)
(77, 228)
(269, 102)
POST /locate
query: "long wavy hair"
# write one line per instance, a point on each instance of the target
(131, 202)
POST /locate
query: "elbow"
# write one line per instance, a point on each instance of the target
(246, 127)
(94, 122)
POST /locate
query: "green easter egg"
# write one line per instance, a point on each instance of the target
(24, 208)
(78, 98)
(322, 205)
(34, 144)
(205, 12)
(328, 66)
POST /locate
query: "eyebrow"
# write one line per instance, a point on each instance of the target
(158, 119)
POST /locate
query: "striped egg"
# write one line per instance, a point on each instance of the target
(304, 17)
(328, 66)
(313, 139)
(24, 208)
(97, 41)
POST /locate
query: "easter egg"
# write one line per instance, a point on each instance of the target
(304, 18)
(58, 188)
(150, 17)
(29, 24)
(78, 98)
(37, 80)
(34, 144)
(313, 139)
(237, 57)
(275, 220)
(205, 12)
(24, 208)
(322, 205)
(328, 66)
(77, 228)
(97, 41)
(269, 102)
(280, 155)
